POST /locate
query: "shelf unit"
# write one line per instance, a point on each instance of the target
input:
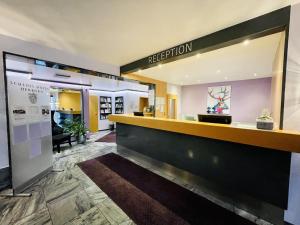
(119, 105)
(105, 107)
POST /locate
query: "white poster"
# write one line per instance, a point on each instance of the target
(30, 128)
(218, 99)
(36, 148)
(19, 114)
(30, 100)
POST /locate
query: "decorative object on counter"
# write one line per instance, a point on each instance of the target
(190, 118)
(265, 121)
(218, 99)
(147, 112)
(77, 129)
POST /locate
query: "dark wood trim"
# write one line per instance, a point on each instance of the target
(267, 24)
(286, 44)
(18, 71)
(7, 118)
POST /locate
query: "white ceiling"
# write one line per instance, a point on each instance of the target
(121, 31)
(242, 61)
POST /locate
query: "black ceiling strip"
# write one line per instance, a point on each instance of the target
(18, 71)
(93, 89)
(63, 82)
(267, 24)
(62, 75)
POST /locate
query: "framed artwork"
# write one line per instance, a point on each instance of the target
(218, 99)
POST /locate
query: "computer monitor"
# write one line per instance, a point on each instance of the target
(138, 113)
(215, 118)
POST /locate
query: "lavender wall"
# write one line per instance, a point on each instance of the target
(248, 98)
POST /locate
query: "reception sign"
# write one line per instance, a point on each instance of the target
(30, 129)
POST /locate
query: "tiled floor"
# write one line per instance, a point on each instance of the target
(70, 197)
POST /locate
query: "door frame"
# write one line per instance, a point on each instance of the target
(172, 97)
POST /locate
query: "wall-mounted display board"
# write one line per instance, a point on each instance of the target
(119, 105)
(105, 107)
(30, 130)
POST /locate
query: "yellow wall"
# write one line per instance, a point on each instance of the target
(160, 89)
(93, 113)
(69, 100)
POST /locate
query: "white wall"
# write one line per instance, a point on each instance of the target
(176, 90)
(17, 46)
(292, 111)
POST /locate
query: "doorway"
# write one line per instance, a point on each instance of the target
(93, 113)
(66, 105)
(172, 106)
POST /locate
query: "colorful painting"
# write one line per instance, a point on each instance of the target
(218, 100)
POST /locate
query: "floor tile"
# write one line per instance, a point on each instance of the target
(16, 208)
(38, 218)
(112, 212)
(96, 194)
(60, 190)
(90, 217)
(64, 209)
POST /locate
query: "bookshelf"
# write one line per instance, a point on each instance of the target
(119, 105)
(105, 107)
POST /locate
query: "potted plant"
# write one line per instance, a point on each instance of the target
(265, 121)
(77, 129)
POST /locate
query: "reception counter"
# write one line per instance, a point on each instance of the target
(279, 139)
(243, 161)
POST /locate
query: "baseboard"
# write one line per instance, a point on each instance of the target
(5, 178)
(22, 187)
(104, 129)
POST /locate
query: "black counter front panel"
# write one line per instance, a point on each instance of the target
(254, 171)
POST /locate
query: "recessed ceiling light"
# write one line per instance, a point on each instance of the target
(255, 74)
(218, 71)
(226, 78)
(198, 55)
(139, 70)
(246, 42)
(186, 76)
(160, 65)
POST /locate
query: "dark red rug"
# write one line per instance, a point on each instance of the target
(149, 199)
(111, 138)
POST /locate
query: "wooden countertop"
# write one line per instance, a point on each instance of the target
(278, 139)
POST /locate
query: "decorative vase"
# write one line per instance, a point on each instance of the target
(264, 124)
(81, 139)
